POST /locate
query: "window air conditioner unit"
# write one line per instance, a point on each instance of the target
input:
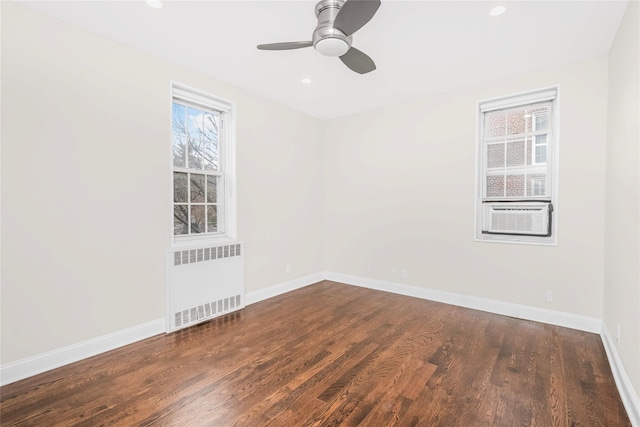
(530, 219)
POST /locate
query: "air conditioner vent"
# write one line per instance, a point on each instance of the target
(532, 219)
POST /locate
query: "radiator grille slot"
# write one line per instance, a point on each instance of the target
(206, 254)
(203, 312)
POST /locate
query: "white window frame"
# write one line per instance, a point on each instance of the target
(227, 198)
(551, 93)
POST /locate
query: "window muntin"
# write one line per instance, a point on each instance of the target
(203, 175)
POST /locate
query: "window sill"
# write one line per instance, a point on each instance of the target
(202, 241)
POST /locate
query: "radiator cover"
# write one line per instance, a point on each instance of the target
(203, 283)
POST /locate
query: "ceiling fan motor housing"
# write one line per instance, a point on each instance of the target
(326, 39)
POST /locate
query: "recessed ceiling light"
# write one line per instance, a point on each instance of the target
(306, 81)
(498, 10)
(156, 4)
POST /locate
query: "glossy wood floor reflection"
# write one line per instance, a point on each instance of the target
(335, 355)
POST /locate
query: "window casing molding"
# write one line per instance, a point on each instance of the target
(226, 172)
(537, 144)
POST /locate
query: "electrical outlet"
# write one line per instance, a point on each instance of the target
(405, 273)
(287, 269)
(394, 271)
(618, 333)
(549, 296)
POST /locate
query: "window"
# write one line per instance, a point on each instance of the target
(516, 164)
(203, 147)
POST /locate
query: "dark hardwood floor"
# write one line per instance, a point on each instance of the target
(335, 355)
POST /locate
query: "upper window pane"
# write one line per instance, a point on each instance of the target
(178, 112)
(210, 141)
(196, 138)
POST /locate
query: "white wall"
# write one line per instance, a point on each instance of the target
(399, 189)
(622, 225)
(86, 213)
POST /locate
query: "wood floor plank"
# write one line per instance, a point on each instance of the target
(334, 355)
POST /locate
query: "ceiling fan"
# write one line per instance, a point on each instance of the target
(337, 21)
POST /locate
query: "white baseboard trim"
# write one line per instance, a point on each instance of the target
(292, 285)
(558, 318)
(628, 395)
(21, 369)
(28, 367)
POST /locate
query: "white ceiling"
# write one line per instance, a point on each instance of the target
(420, 47)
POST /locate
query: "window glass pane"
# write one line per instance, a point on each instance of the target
(515, 153)
(538, 187)
(180, 219)
(212, 218)
(212, 189)
(541, 120)
(540, 139)
(515, 186)
(541, 154)
(495, 186)
(178, 119)
(495, 123)
(197, 188)
(179, 151)
(536, 184)
(516, 121)
(194, 123)
(195, 153)
(210, 123)
(210, 154)
(180, 187)
(495, 155)
(197, 219)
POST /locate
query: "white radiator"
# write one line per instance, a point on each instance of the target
(203, 283)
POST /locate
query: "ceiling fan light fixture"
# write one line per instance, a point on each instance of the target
(332, 46)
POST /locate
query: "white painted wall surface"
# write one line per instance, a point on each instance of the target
(86, 187)
(622, 225)
(399, 188)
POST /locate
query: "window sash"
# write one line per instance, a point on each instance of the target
(520, 177)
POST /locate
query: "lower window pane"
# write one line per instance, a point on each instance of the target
(197, 188)
(180, 187)
(180, 220)
(197, 219)
(212, 189)
(536, 185)
(495, 155)
(515, 186)
(541, 154)
(212, 218)
(495, 186)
